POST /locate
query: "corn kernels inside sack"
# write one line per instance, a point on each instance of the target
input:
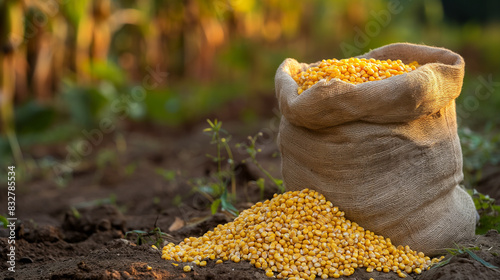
(352, 70)
(299, 234)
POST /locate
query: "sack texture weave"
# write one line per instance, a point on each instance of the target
(386, 152)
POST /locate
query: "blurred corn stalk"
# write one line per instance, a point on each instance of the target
(46, 35)
(11, 57)
(63, 39)
(45, 42)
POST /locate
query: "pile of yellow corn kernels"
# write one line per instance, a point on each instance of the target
(298, 235)
(352, 70)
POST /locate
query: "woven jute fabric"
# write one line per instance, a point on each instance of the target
(386, 152)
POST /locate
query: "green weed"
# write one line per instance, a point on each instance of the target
(215, 186)
(252, 151)
(216, 192)
(3, 221)
(461, 250)
(479, 150)
(153, 237)
(75, 212)
(216, 131)
(489, 217)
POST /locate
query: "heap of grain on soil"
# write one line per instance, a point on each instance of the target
(299, 235)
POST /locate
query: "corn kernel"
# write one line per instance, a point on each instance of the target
(351, 70)
(187, 268)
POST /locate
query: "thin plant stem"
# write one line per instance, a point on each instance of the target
(232, 166)
(219, 169)
(261, 168)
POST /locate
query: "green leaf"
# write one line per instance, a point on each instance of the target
(441, 263)
(477, 258)
(215, 206)
(75, 213)
(211, 189)
(211, 123)
(108, 71)
(136, 231)
(251, 151)
(4, 221)
(215, 159)
(226, 204)
(75, 10)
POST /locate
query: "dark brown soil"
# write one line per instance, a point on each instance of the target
(78, 231)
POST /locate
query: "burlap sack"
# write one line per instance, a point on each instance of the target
(386, 152)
